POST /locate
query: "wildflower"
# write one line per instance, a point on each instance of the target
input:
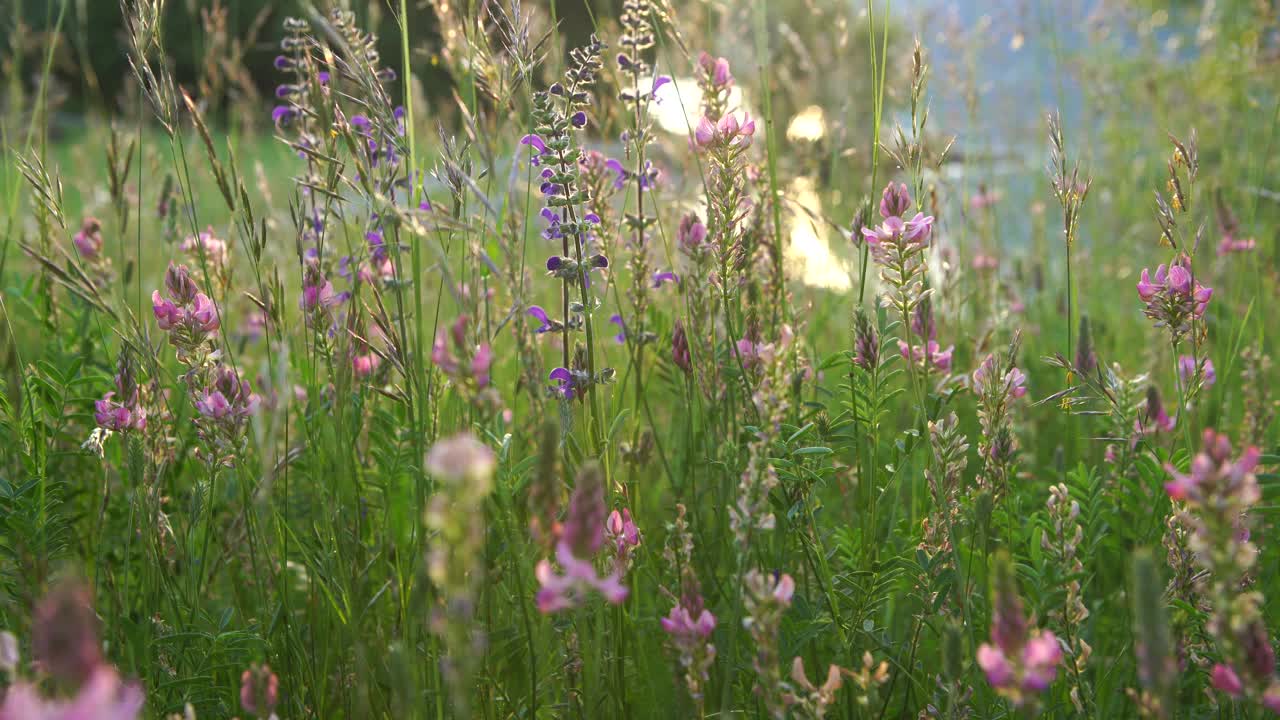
(103, 696)
(684, 626)
(716, 69)
(931, 354)
(317, 293)
(471, 364)
(1214, 477)
(680, 354)
(1174, 298)
(692, 234)
(187, 314)
(64, 635)
(866, 343)
(119, 416)
(547, 324)
(766, 598)
(1188, 370)
(664, 277)
(566, 382)
(1225, 679)
(581, 539)
(895, 201)
(621, 337)
(259, 690)
(1153, 417)
(461, 458)
(812, 700)
(207, 247)
(728, 132)
(986, 379)
(622, 535)
(88, 239)
(689, 624)
(1018, 663)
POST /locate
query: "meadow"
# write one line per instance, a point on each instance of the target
(639, 359)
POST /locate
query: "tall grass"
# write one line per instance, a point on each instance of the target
(375, 451)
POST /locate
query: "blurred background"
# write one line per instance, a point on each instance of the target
(1123, 73)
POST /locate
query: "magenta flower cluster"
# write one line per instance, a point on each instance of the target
(1174, 297)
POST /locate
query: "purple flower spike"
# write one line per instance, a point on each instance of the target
(541, 315)
(663, 277)
(621, 337)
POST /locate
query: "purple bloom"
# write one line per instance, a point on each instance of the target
(579, 119)
(283, 115)
(88, 240)
(1173, 297)
(666, 276)
(895, 201)
(1214, 477)
(537, 145)
(621, 337)
(1225, 679)
(1187, 371)
(621, 533)
(562, 591)
(564, 384)
(116, 416)
(213, 405)
(541, 315)
(680, 348)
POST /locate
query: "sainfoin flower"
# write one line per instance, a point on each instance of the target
(680, 354)
(463, 362)
(621, 533)
(206, 247)
(1187, 371)
(65, 644)
(259, 690)
(1173, 297)
(1213, 475)
(103, 696)
(88, 239)
(187, 314)
(930, 355)
(581, 539)
(1018, 662)
(117, 416)
(728, 132)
